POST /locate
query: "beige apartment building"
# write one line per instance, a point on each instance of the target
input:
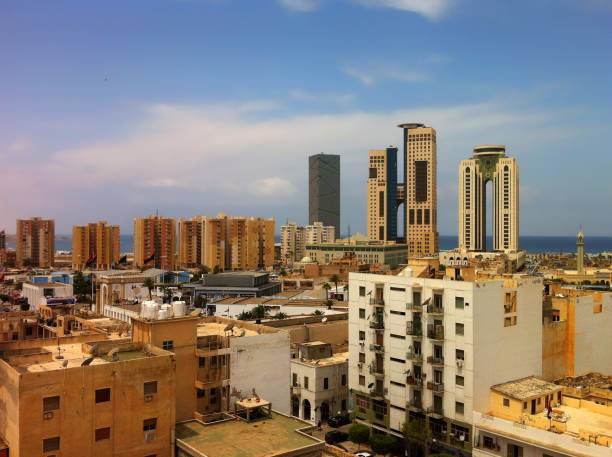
(95, 245)
(108, 398)
(231, 243)
(294, 239)
(382, 200)
(489, 163)
(155, 242)
(35, 242)
(421, 189)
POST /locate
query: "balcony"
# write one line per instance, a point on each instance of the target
(435, 411)
(416, 382)
(435, 332)
(433, 360)
(433, 309)
(377, 394)
(435, 386)
(462, 444)
(377, 325)
(377, 370)
(414, 307)
(296, 390)
(416, 404)
(377, 302)
(414, 356)
(377, 348)
(414, 329)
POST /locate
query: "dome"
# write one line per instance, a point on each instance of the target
(306, 260)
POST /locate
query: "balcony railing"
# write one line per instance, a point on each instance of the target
(377, 302)
(414, 329)
(377, 325)
(415, 357)
(433, 360)
(377, 393)
(435, 411)
(412, 381)
(377, 348)
(377, 369)
(435, 386)
(435, 332)
(414, 307)
(433, 309)
(416, 403)
(463, 444)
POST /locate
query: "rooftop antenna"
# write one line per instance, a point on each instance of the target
(59, 350)
(349, 233)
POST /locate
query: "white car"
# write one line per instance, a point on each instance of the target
(365, 454)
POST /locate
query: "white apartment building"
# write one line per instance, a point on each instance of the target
(319, 382)
(294, 239)
(430, 349)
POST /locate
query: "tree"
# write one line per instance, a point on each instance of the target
(417, 436)
(81, 286)
(216, 270)
(245, 316)
(326, 287)
(283, 272)
(317, 312)
(384, 444)
(335, 279)
(359, 434)
(149, 284)
(259, 312)
(200, 301)
(280, 315)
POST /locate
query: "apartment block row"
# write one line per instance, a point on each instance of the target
(95, 245)
(295, 238)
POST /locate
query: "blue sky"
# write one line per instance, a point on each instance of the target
(115, 109)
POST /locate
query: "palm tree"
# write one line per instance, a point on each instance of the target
(335, 279)
(326, 286)
(149, 284)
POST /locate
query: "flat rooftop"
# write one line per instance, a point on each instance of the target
(237, 438)
(335, 359)
(526, 388)
(218, 328)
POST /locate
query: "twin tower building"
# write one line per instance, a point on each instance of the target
(418, 193)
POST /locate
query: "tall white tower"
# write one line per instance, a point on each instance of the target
(489, 163)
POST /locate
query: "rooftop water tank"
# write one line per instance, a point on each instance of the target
(179, 308)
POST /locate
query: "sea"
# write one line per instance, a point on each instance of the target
(529, 243)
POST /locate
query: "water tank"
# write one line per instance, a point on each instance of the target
(149, 309)
(179, 308)
(168, 308)
(162, 314)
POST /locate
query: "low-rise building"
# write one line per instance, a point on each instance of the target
(319, 382)
(37, 293)
(234, 284)
(364, 252)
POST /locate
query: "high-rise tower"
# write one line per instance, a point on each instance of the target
(489, 163)
(35, 242)
(580, 253)
(324, 190)
(421, 201)
(382, 189)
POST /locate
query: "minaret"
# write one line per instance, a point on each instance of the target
(580, 252)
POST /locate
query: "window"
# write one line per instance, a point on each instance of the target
(150, 387)
(51, 444)
(416, 298)
(361, 380)
(459, 303)
(395, 359)
(362, 291)
(103, 433)
(459, 328)
(398, 289)
(343, 405)
(362, 357)
(361, 335)
(515, 451)
(400, 337)
(343, 381)
(459, 380)
(201, 393)
(420, 180)
(459, 354)
(168, 345)
(489, 443)
(361, 313)
(201, 362)
(524, 405)
(459, 407)
(294, 381)
(326, 383)
(103, 395)
(149, 424)
(305, 382)
(506, 402)
(51, 403)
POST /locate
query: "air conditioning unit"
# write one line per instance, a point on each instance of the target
(459, 363)
(360, 365)
(48, 415)
(361, 343)
(148, 398)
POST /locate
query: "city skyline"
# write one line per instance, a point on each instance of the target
(116, 107)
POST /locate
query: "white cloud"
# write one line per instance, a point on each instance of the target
(370, 76)
(273, 187)
(299, 6)
(431, 9)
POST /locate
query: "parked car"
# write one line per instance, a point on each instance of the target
(335, 436)
(339, 419)
(365, 454)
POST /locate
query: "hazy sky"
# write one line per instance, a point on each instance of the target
(113, 109)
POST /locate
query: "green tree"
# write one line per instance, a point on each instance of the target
(384, 444)
(317, 312)
(280, 315)
(149, 284)
(283, 272)
(245, 316)
(259, 312)
(326, 287)
(81, 286)
(417, 435)
(200, 301)
(359, 434)
(335, 279)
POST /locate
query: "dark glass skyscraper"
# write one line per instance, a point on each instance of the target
(324, 190)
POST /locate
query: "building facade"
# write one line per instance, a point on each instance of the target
(294, 239)
(35, 242)
(155, 242)
(324, 190)
(489, 163)
(420, 180)
(382, 194)
(95, 245)
(428, 350)
(366, 253)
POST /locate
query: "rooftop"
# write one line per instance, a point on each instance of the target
(237, 438)
(217, 328)
(339, 357)
(526, 388)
